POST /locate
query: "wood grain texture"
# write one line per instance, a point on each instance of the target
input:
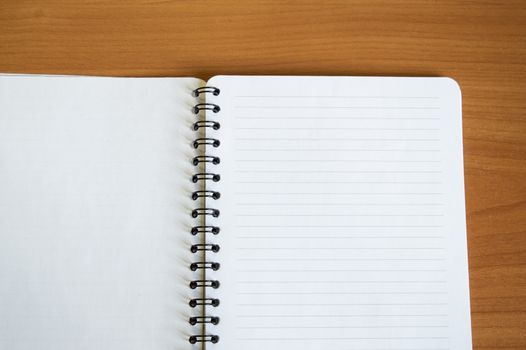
(481, 44)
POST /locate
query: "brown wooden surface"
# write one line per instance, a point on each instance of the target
(482, 44)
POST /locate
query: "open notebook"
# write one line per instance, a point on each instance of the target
(239, 213)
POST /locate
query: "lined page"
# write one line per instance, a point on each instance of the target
(342, 214)
(94, 213)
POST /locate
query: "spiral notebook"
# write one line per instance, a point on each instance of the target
(245, 212)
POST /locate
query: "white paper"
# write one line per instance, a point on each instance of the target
(342, 214)
(94, 213)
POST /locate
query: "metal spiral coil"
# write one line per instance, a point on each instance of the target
(204, 284)
(205, 176)
(206, 124)
(206, 106)
(206, 89)
(205, 229)
(203, 194)
(214, 248)
(204, 319)
(205, 247)
(206, 159)
(206, 141)
(203, 338)
(205, 265)
(204, 301)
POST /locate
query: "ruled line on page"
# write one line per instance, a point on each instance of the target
(340, 259)
(337, 248)
(338, 235)
(307, 338)
(307, 236)
(333, 139)
(335, 281)
(339, 96)
(340, 327)
(338, 226)
(341, 293)
(331, 150)
(336, 107)
(331, 128)
(336, 118)
(342, 182)
(340, 270)
(340, 316)
(340, 193)
(338, 215)
(252, 171)
(342, 204)
(342, 304)
(252, 160)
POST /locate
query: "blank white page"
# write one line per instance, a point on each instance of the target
(94, 213)
(342, 214)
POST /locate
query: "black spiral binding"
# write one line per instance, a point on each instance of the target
(203, 212)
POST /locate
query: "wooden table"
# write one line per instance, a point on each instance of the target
(480, 44)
